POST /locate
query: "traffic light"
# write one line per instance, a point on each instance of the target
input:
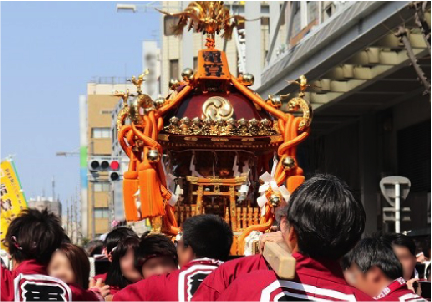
(105, 164)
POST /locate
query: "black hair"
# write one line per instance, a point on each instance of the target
(117, 235)
(208, 235)
(115, 276)
(346, 261)
(327, 219)
(154, 245)
(376, 252)
(401, 240)
(34, 235)
(94, 247)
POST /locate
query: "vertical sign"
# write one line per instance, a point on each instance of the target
(12, 197)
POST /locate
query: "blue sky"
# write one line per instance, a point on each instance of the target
(49, 51)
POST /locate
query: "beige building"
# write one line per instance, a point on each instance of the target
(179, 51)
(100, 104)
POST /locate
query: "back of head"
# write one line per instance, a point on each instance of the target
(117, 235)
(94, 247)
(327, 219)
(34, 235)
(154, 245)
(79, 262)
(400, 240)
(376, 252)
(209, 236)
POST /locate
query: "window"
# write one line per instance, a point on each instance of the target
(106, 111)
(195, 63)
(101, 187)
(101, 132)
(174, 69)
(101, 212)
(169, 24)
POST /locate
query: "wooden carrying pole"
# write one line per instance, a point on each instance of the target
(279, 259)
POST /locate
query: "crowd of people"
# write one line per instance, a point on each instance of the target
(322, 226)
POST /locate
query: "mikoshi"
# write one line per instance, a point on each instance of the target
(208, 146)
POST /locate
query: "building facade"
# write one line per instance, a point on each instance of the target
(368, 65)
(41, 203)
(100, 103)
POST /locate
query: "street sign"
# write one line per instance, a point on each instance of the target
(388, 188)
(389, 214)
(395, 189)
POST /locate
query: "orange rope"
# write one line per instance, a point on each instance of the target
(161, 111)
(147, 140)
(121, 141)
(257, 99)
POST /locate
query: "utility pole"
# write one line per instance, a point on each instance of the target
(53, 188)
(67, 217)
(92, 200)
(77, 240)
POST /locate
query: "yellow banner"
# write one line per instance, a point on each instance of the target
(12, 197)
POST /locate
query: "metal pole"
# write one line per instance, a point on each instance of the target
(93, 200)
(397, 208)
(110, 202)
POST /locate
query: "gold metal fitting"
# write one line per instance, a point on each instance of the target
(185, 121)
(173, 84)
(196, 121)
(248, 79)
(275, 100)
(288, 163)
(231, 121)
(174, 120)
(187, 74)
(274, 200)
(253, 122)
(242, 122)
(153, 155)
(159, 102)
(134, 113)
(265, 122)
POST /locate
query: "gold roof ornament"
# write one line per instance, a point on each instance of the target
(208, 17)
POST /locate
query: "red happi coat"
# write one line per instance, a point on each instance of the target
(314, 280)
(29, 282)
(215, 283)
(398, 291)
(179, 285)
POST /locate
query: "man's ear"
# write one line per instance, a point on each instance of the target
(283, 224)
(290, 238)
(374, 274)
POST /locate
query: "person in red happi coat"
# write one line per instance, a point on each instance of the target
(31, 239)
(322, 223)
(376, 270)
(205, 242)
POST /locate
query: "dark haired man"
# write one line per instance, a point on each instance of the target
(111, 240)
(323, 222)
(156, 255)
(376, 270)
(206, 240)
(31, 239)
(405, 249)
